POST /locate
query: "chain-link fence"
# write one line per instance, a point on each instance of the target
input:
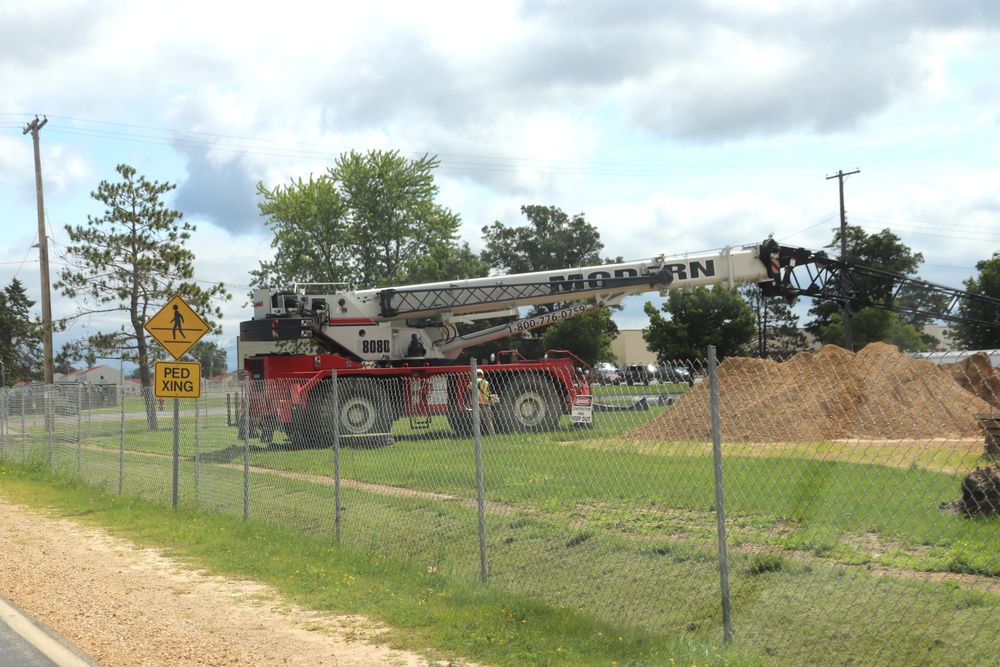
(832, 508)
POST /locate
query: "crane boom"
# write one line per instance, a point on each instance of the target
(381, 324)
(396, 324)
(814, 275)
(605, 284)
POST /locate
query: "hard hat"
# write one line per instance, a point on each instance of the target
(479, 372)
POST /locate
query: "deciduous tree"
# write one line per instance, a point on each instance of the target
(550, 240)
(886, 252)
(987, 283)
(370, 221)
(312, 237)
(553, 240)
(211, 357)
(699, 318)
(588, 336)
(873, 325)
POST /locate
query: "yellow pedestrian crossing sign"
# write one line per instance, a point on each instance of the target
(177, 379)
(176, 327)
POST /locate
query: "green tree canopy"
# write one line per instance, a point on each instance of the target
(211, 357)
(20, 336)
(72, 352)
(550, 240)
(132, 260)
(588, 336)
(553, 240)
(370, 221)
(311, 234)
(698, 318)
(62, 362)
(987, 283)
(873, 325)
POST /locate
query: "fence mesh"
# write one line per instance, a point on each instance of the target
(859, 488)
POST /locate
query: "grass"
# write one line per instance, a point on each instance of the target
(423, 608)
(835, 550)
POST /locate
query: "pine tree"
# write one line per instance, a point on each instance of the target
(20, 337)
(778, 334)
(132, 260)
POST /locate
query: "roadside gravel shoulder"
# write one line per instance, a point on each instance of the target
(124, 605)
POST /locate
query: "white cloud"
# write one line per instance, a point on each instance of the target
(15, 154)
(675, 127)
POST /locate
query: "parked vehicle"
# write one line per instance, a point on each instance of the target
(645, 374)
(638, 373)
(606, 374)
(674, 375)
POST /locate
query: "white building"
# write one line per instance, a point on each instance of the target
(95, 375)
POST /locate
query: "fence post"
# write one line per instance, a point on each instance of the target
(477, 437)
(50, 421)
(79, 429)
(121, 448)
(338, 509)
(720, 505)
(3, 414)
(24, 432)
(245, 393)
(177, 452)
(197, 447)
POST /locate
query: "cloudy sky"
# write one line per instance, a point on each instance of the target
(675, 125)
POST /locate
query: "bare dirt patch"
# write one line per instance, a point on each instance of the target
(125, 606)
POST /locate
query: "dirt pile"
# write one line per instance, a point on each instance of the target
(977, 375)
(877, 393)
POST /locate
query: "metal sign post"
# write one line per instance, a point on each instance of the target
(177, 328)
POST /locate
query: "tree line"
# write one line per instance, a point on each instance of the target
(373, 220)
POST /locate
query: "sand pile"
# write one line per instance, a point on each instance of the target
(877, 393)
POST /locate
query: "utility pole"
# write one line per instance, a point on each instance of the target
(43, 254)
(848, 335)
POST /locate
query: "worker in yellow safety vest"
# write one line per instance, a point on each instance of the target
(485, 400)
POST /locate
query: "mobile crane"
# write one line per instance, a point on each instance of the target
(394, 350)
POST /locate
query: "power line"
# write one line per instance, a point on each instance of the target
(228, 143)
(962, 232)
(450, 162)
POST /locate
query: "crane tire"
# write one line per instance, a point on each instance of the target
(363, 413)
(528, 403)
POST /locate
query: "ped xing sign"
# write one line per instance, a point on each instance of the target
(177, 379)
(176, 327)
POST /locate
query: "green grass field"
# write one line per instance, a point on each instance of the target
(591, 537)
